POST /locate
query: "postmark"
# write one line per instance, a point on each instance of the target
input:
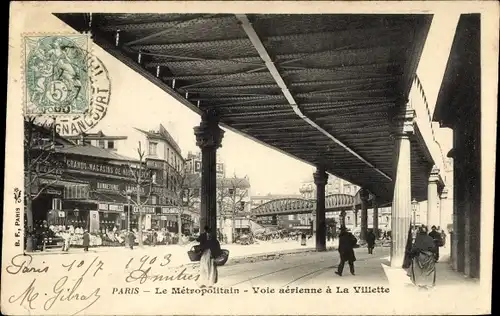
(65, 84)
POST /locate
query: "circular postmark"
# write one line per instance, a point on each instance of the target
(76, 95)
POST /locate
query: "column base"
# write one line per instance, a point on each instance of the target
(320, 248)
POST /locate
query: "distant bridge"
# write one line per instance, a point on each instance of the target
(288, 206)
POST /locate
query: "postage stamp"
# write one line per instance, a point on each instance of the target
(57, 77)
(65, 84)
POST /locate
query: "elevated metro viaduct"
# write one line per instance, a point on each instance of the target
(333, 203)
(338, 91)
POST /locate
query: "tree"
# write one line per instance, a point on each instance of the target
(232, 194)
(185, 191)
(41, 162)
(142, 176)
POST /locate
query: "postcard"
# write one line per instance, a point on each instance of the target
(250, 158)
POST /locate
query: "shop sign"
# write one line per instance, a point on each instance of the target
(169, 210)
(54, 192)
(116, 207)
(163, 218)
(102, 207)
(123, 171)
(156, 164)
(108, 187)
(133, 189)
(145, 209)
(219, 167)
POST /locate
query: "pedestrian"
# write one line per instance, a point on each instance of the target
(443, 237)
(347, 241)
(370, 240)
(422, 270)
(86, 240)
(131, 239)
(210, 249)
(438, 241)
(154, 238)
(303, 239)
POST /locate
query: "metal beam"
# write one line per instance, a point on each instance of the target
(367, 81)
(186, 60)
(254, 38)
(348, 68)
(334, 93)
(167, 29)
(158, 25)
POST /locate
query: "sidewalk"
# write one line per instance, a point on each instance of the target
(265, 250)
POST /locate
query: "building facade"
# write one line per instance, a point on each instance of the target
(96, 187)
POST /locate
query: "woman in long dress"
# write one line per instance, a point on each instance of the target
(422, 270)
(210, 248)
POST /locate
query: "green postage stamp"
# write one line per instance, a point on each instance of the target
(57, 74)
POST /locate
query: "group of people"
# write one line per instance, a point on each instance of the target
(421, 255)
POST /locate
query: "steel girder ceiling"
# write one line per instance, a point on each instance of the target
(317, 87)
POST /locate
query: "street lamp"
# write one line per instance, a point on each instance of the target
(414, 205)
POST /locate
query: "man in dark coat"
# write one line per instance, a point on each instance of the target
(131, 239)
(437, 240)
(370, 240)
(86, 240)
(347, 241)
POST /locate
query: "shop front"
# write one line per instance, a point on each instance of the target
(79, 214)
(111, 217)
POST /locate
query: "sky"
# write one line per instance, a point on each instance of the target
(136, 102)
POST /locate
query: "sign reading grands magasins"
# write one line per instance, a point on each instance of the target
(123, 171)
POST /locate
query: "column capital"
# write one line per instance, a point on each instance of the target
(208, 133)
(320, 177)
(402, 122)
(434, 175)
(364, 194)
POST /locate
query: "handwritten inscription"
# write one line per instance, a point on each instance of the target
(22, 264)
(143, 270)
(65, 290)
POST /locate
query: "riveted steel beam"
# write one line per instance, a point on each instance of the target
(244, 114)
(255, 97)
(347, 49)
(340, 93)
(187, 61)
(260, 122)
(353, 69)
(236, 87)
(166, 29)
(185, 45)
(160, 25)
(361, 81)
